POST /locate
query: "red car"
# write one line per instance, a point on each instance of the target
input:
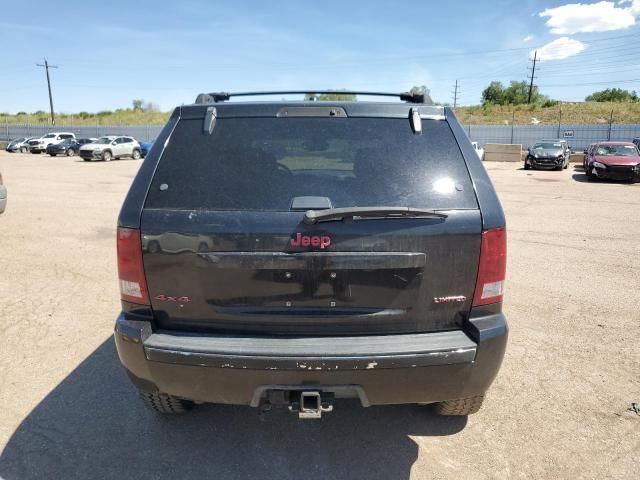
(613, 160)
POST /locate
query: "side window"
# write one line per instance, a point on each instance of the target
(119, 140)
(126, 140)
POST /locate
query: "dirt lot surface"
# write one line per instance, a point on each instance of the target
(558, 408)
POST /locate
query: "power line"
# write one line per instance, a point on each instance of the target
(47, 67)
(533, 73)
(615, 82)
(455, 95)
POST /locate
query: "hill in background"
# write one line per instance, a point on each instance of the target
(572, 113)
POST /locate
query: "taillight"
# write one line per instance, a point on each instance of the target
(133, 285)
(493, 267)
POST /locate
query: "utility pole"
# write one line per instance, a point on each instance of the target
(455, 95)
(533, 72)
(47, 67)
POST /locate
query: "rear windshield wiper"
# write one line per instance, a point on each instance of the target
(330, 214)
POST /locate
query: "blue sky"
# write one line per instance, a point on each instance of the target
(166, 52)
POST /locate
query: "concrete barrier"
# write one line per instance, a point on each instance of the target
(502, 152)
(576, 158)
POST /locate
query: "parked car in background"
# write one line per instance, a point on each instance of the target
(145, 147)
(552, 154)
(479, 151)
(587, 152)
(19, 144)
(614, 161)
(267, 261)
(636, 142)
(40, 145)
(110, 147)
(3, 195)
(68, 147)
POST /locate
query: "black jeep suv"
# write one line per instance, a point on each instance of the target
(290, 253)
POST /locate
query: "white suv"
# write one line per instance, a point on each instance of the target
(109, 147)
(40, 145)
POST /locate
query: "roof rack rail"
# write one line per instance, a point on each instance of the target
(218, 97)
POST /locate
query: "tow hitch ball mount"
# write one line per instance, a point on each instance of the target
(309, 404)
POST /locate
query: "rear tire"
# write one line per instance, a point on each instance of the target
(460, 406)
(71, 152)
(136, 154)
(165, 404)
(52, 154)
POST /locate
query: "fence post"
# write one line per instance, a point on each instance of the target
(610, 122)
(559, 122)
(513, 119)
(6, 120)
(97, 123)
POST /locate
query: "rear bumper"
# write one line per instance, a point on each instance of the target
(392, 369)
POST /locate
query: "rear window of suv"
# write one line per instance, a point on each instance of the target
(264, 163)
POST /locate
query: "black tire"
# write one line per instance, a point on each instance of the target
(52, 154)
(87, 159)
(35, 153)
(165, 404)
(106, 156)
(136, 155)
(71, 152)
(460, 406)
(23, 150)
(527, 166)
(589, 175)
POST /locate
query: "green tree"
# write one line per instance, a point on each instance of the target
(493, 94)
(613, 95)
(517, 93)
(137, 104)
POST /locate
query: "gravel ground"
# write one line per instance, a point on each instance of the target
(558, 409)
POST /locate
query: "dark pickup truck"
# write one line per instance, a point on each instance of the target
(289, 253)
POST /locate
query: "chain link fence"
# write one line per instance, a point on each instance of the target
(578, 136)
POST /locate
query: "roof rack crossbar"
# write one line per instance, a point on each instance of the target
(217, 97)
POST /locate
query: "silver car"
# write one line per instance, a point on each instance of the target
(110, 147)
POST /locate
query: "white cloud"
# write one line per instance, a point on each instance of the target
(559, 49)
(591, 17)
(528, 38)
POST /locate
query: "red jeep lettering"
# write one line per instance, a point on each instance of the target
(315, 241)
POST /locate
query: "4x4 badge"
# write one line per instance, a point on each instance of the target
(451, 299)
(310, 241)
(167, 298)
